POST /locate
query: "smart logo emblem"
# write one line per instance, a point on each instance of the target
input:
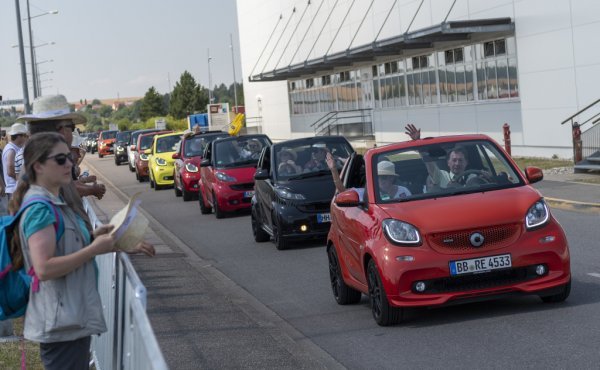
(476, 240)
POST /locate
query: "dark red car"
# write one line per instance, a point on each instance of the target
(141, 159)
(441, 221)
(187, 162)
(227, 173)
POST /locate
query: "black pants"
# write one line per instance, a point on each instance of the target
(72, 355)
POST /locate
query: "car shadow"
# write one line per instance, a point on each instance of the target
(582, 293)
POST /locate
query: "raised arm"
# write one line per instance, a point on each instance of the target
(334, 173)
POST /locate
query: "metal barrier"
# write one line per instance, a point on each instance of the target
(129, 342)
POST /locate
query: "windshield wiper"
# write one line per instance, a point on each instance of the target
(310, 174)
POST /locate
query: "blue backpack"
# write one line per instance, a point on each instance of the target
(14, 285)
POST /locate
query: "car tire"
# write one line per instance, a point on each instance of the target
(187, 196)
(131, 168)
(342, 293)
(218, 212)
(204, 209)
(560, 297)
(383, 313)
(280, 241)
(117, 163)
(260, 235)
(100, 155)
(137, 177)
(151, 182)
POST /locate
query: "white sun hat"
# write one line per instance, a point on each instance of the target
(386, 168)
(52, 107)
(17, 129)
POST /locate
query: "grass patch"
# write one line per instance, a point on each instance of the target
(543, 163)
(589, 180)
(10, 353)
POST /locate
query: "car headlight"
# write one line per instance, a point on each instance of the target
(144, 157)
(286, 194)
(537, 215)
(190, 167)
(161, 162)
(225, 177)
(120, 149)
(399, 232)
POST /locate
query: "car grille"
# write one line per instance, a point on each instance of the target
(479, 281)
(314, 207)
(243, 187)
(495, 237)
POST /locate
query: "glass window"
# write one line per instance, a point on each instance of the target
(512, 77)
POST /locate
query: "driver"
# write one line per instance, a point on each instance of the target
(254, 148)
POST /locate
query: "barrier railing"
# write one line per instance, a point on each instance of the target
(129, 342)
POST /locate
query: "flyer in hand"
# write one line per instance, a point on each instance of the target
(130, 225)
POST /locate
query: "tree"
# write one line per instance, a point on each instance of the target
(152, 105)
(105, 111)
(187, 97)
(96, 102)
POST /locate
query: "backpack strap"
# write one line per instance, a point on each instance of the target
(59, 229)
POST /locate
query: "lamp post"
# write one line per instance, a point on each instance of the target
(210, 97)
(36, 92)
(233, 66)
(22, 57)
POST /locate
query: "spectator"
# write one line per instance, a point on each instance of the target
(18, 137)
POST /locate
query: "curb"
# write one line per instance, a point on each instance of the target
(572, 205)
(289, 337)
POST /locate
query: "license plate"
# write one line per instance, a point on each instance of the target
(248, 194)
(323, 217)
(482, 264)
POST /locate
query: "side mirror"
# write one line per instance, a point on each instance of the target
(348, 198)
(205, 163)
(262, 174)
(534, 174)
(148, 151)
(132, 147)
(176, 156)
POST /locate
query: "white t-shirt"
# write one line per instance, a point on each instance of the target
(11, 183)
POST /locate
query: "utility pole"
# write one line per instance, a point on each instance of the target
(210, 97)
(22, 57)
(233, 66)
(34, 77)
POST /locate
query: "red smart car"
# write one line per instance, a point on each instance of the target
(227, 173)
(106, 141)
(440, 221)
(186, 171)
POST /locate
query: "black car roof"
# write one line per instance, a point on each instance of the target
(315, 139)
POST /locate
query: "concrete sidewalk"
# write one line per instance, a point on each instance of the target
(564, 189)
(202, 319)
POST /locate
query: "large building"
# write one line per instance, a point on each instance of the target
(368, 67)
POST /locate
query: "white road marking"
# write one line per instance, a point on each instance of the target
(594, 274)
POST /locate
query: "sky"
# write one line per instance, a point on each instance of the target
(119, 48)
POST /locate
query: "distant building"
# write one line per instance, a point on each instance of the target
(113, 102)
(450, 67)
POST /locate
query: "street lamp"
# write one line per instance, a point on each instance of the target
(233, 66)
(36, 91)
(22, 58)
(210, 97)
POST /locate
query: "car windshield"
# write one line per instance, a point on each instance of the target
(109, 135)
(93, 136)
(167, 143)
(123, 136)
(146, 141)
(306, 158)
(239, 151)
(194, 145)
(440, 170)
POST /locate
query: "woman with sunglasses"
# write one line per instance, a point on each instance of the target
(65, 310)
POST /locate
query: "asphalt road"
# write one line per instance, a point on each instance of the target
(509, 333)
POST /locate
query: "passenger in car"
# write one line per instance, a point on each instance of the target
(287, 163)
(317, 161)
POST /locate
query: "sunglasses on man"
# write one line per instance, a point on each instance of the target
(61, 158)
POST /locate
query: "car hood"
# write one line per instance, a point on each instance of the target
(319, 189)
(241, 174)
(466, 211)
(194, 160)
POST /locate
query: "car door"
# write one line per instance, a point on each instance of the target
(264, 189)
(353, 223)
(178, 165)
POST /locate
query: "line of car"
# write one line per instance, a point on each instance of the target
(396, 235)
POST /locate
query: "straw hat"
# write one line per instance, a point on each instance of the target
(52, 107)
(386, 168)
(17, 129)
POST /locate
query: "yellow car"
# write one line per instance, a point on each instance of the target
(160, 159)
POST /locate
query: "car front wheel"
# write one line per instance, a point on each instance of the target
(218, 212)
(383, 313)
(280, 241)
(259, 234)
(342, 293)
(560, 297)
(204, 209)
